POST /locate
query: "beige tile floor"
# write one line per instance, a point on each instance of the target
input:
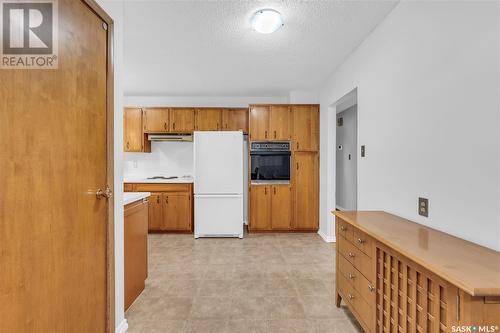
(262, 283)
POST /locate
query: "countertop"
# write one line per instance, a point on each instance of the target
(143, 180)
(473, 268)
(129, 197)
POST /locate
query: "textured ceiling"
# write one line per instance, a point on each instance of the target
(208, 48)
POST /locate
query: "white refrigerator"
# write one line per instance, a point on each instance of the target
(218, 184)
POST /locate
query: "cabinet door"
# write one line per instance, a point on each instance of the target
(235, 120)
(156, 120)
(155, 212)
(259, 122)
(305, 127)
(208, 119)
(181, 120)
(176, 212)
(132, 130)
(306, 190)
(279, 122)
(281, 207)
(260, 207)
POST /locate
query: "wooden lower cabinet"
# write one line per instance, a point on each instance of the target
(389, 292)
(135, 249)
(305, 180)
(170, 206)
(270, 207)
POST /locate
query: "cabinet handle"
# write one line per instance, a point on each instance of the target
(351, 276)
(361, 241)
(158, 200)
(297, 165)
(297, 145)
(217, 126)
(265, 190)
(266, 134)
(351, 297)
(458, 308)
(165, 126)
(275, 134)
(350, 254)
(274, 190)
(343, 228)
(128, 145)
(371, 288)
(167, 200)
(173, 125)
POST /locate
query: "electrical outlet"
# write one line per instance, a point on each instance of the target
(423, 207)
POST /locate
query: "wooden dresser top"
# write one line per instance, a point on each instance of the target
(471, 267)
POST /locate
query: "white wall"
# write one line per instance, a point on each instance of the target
(428, 84)
(115, 10)
(165, 159)
(222, 101)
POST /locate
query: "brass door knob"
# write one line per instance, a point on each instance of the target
(107, 193)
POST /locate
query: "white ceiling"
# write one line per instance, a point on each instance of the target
(196, 48)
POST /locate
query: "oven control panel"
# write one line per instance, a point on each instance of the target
(270, 146)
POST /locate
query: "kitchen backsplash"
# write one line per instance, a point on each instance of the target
(166, 158)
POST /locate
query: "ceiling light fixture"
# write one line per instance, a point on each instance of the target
(266, 21)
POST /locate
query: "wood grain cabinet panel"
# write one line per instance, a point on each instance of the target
(259, 122)
(176, 211)
(235, 120)
(306, 190)
(260, 207)
(156, 120)
(208, 119)
(155, 212)
(279, 122)
(132, 130)
(181, 120)
(305, 134)
(281, 207)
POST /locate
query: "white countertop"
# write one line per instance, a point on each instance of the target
(129, 197)
(180, 180)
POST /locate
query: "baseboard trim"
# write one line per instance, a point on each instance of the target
(123, 327)
(328, 239)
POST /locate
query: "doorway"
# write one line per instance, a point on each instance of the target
(346, 157)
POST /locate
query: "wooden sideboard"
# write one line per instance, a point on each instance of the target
(399, 276)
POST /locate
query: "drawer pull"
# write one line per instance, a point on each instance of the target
(351, 297)
(371, 288)
(361, 241)
(350, 254)
(351, 276)
(342, 228)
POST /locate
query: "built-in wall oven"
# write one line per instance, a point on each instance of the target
(270, 161)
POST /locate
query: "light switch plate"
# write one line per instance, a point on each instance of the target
(363, 151)
(423, 207)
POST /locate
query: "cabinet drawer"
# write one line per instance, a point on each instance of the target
(128, 187)
(362, 309)
(358, 259)
(143, 187)
(344, 229)
(363, 242)
(364, 287)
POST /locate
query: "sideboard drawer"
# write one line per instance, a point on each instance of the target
(344, 229)
(362, 285)
(363, 242)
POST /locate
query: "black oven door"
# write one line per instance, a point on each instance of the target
(270, 165)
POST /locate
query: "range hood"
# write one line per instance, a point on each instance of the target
(170, 137)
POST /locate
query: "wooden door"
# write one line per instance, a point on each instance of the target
(132, 130)
(279, 122)
(306, 190)
(155, 212)
(281, 207)
(156, 120)
(235, 120)
(259, 122)
(53, 227)
(181, 120)
(305, 127)
(208, 119)
(260, 207)
(176, 211)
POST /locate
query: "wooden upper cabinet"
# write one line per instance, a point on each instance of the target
(306, 190)
(208, 119)
(133, 140)
(235, 120)
(260, 207)
(156, 120)
(281, 212)
(305, 134)
(181, 120)
(177, 211)
(279, 122)
(259, 122)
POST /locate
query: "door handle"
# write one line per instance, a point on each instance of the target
(107, 193)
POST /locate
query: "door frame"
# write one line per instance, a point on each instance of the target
(110, 230)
